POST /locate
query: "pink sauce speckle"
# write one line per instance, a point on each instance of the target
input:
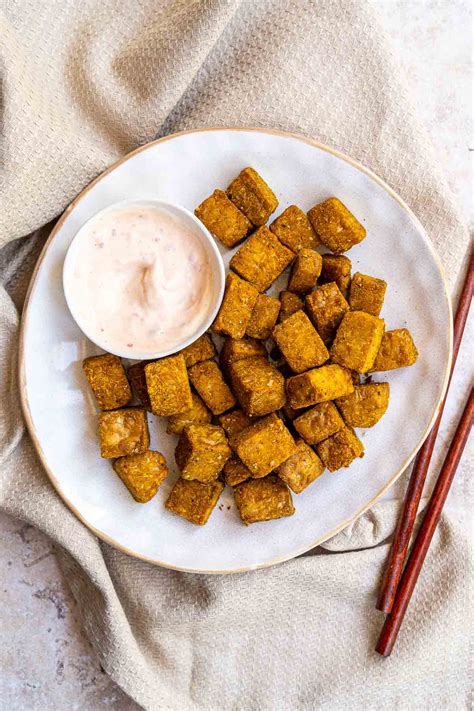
(141, 278)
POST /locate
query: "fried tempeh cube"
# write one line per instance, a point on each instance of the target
(238, 349)
(193, 500)
(357, 341)
(234, 422)
(261, 259)
(335, 225)
(300, 343)
(106, 376)
(294, 230)
(263, 499)
(366, 405)
(340, 450)
(290, 304)
(168, 386)
(397, 350)
(198, 414)
(318, 385)
(236, 308)
(319, 423)
(202, 349)
(252, 196)
(305, 271)
(123, 432)
(223, 219)
(301, 469)
(142, 474)
(201, 452)
(235, 472)
(367, 294)
(356, 377)
(137, 378)
(258, 386)
(264, 317)
(208, 380)
(263, 445)
(326, 307)
(336, 268)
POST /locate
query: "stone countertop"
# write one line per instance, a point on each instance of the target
(46, 661)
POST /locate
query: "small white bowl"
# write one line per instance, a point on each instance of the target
(217, 272)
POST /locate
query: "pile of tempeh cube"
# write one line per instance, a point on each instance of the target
(281, 419)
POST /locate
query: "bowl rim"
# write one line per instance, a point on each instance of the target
(217, 267)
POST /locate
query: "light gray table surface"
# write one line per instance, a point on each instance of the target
(46, 662)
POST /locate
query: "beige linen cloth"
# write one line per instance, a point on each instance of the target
(85, 82)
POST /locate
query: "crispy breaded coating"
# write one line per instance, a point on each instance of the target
(318, 385)
(263, 445)
(300, 343)
(208, 380)
(234, 421)
(123, 432)
(263, 499)
(137, 378)
(335, 225)
(290, 304)
(261, 259)
(168, 386)
(193, 500)
(326, 307)
(258, 386)
(301, 469)
(198, 414)
(223, 219)
(201, 452)
(357, 341)
(106, 376)
(235, 472)
(336, 268)
(319, 423)
(142, 474)
(294, 230)
(397, 350)
(264, 317)
(202, 349)
(252, 196)
(340, 450)
(366, 405)
(305, 271)
(238, 349)
(236, 308)
(367, 294)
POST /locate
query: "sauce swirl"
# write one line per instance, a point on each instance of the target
(141, 279)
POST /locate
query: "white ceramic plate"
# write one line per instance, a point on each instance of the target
(60, 411)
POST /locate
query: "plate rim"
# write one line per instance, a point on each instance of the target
(24, 324)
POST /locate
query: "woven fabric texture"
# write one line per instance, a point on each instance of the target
(85, 82)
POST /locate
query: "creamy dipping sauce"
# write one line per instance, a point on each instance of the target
(141, 279)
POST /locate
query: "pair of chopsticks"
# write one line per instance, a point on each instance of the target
(400, 579)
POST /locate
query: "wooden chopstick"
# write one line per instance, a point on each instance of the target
(406, 521)
(413, 567)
